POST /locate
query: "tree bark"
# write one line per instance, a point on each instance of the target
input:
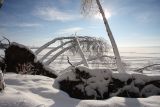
(120, 67)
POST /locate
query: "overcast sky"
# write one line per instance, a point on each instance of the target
(34, 22)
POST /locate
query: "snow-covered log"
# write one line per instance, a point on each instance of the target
(84, 83)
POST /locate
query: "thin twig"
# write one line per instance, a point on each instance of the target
(69, 62)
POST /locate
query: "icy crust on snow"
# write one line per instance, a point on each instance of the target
(84, 83)
(37, 91)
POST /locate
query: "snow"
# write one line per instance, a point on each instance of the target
(50, 70)
(37, 91)
(121, 76)
(32, 91)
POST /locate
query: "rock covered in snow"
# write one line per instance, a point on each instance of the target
(84, 83)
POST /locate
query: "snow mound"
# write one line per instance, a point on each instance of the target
(84, 83)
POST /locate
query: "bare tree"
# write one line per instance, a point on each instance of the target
(87, 7)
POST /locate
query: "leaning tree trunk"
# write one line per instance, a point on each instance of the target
(81, 53)
(115, 49)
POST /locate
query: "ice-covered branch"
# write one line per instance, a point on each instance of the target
(53, 41)
(57, 54)
(56, 48)
(141, 69)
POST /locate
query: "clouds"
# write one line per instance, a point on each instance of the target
(70, 30)
(20, 24)
(28, 25)
(54, 14)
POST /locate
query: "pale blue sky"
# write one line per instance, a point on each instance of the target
(34, 22)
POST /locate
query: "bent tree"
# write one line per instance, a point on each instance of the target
(87, 7)
(74, 44)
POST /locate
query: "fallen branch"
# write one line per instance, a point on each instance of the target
(141, 69)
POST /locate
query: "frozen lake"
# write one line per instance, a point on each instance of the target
(140, 56)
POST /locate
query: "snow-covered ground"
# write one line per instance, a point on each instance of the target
(37, 91)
